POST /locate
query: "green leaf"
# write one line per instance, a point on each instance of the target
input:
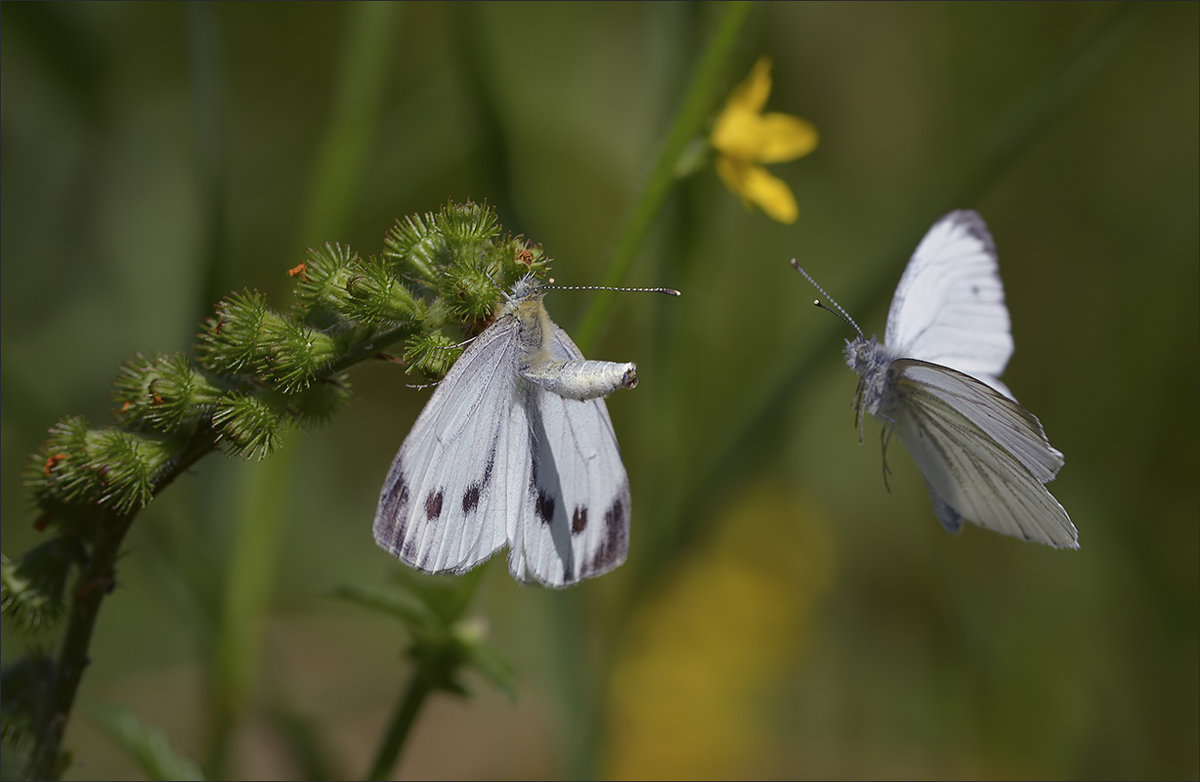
(145, 744)
(405, 606)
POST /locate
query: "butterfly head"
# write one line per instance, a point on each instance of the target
(527, 289)
(867, 356)
(871, 359)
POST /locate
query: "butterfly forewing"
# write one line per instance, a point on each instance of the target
(982, 455)
(949, 305)
(449, 491)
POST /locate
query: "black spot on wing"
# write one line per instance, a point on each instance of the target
(394, 503)
(579, 519)
(614, 536)
(470, 498)
(543, 501)
(544, 506)
(433, 504)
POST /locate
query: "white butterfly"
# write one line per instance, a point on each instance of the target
(514, 447)
(934, 383)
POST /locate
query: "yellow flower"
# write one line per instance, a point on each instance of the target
(691, 688)
(745, 138)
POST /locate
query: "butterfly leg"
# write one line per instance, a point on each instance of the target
(885, 437)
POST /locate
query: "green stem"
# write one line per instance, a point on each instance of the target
(403, 718)
(96, 580)
(693, 113)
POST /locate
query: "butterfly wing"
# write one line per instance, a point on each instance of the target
(458, 480)
(575, 519)
(949, 307)
(984, 457)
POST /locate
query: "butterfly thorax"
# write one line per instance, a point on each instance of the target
(533, 325)
(871, 359)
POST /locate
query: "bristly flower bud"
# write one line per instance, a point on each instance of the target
(250, 425)
(320, 401)
(31, 590)
(375, 296)
(458, 256)
(163, 393)
(108, 467)
(321, 282)
(246, 337)
(431, 354)
(230, 342)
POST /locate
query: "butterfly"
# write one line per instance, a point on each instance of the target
(515, 447)
(934, 382)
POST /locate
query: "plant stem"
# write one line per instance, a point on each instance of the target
(419, 689)
(689, 120)
(96, 580)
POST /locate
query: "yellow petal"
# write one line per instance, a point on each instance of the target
(743, 104)
(737, 133)
(733, 173)
(770, 193)
(751, 95)
(784, 137)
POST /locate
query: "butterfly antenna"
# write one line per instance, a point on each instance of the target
(841, 313)
(552, 286)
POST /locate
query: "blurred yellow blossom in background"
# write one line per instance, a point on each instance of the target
(745, 139)
(692, 686)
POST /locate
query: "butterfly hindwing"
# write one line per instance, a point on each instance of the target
(576, 518)
(948, 307)
(984, 457)
(449, 491)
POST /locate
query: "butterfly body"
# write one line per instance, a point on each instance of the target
(515, 447)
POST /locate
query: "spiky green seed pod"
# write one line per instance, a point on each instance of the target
(109, 467)
(375, 296)
(250, 425)
(320, 401)
(246, 337)
(31, 590)
(163, 393)
(231, 342)
(432, 354)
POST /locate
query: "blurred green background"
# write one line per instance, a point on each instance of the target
(781, 614)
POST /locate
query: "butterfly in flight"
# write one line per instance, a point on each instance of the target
(933, 381)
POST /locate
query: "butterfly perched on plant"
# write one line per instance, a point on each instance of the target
(515, 447)
(934, 382)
